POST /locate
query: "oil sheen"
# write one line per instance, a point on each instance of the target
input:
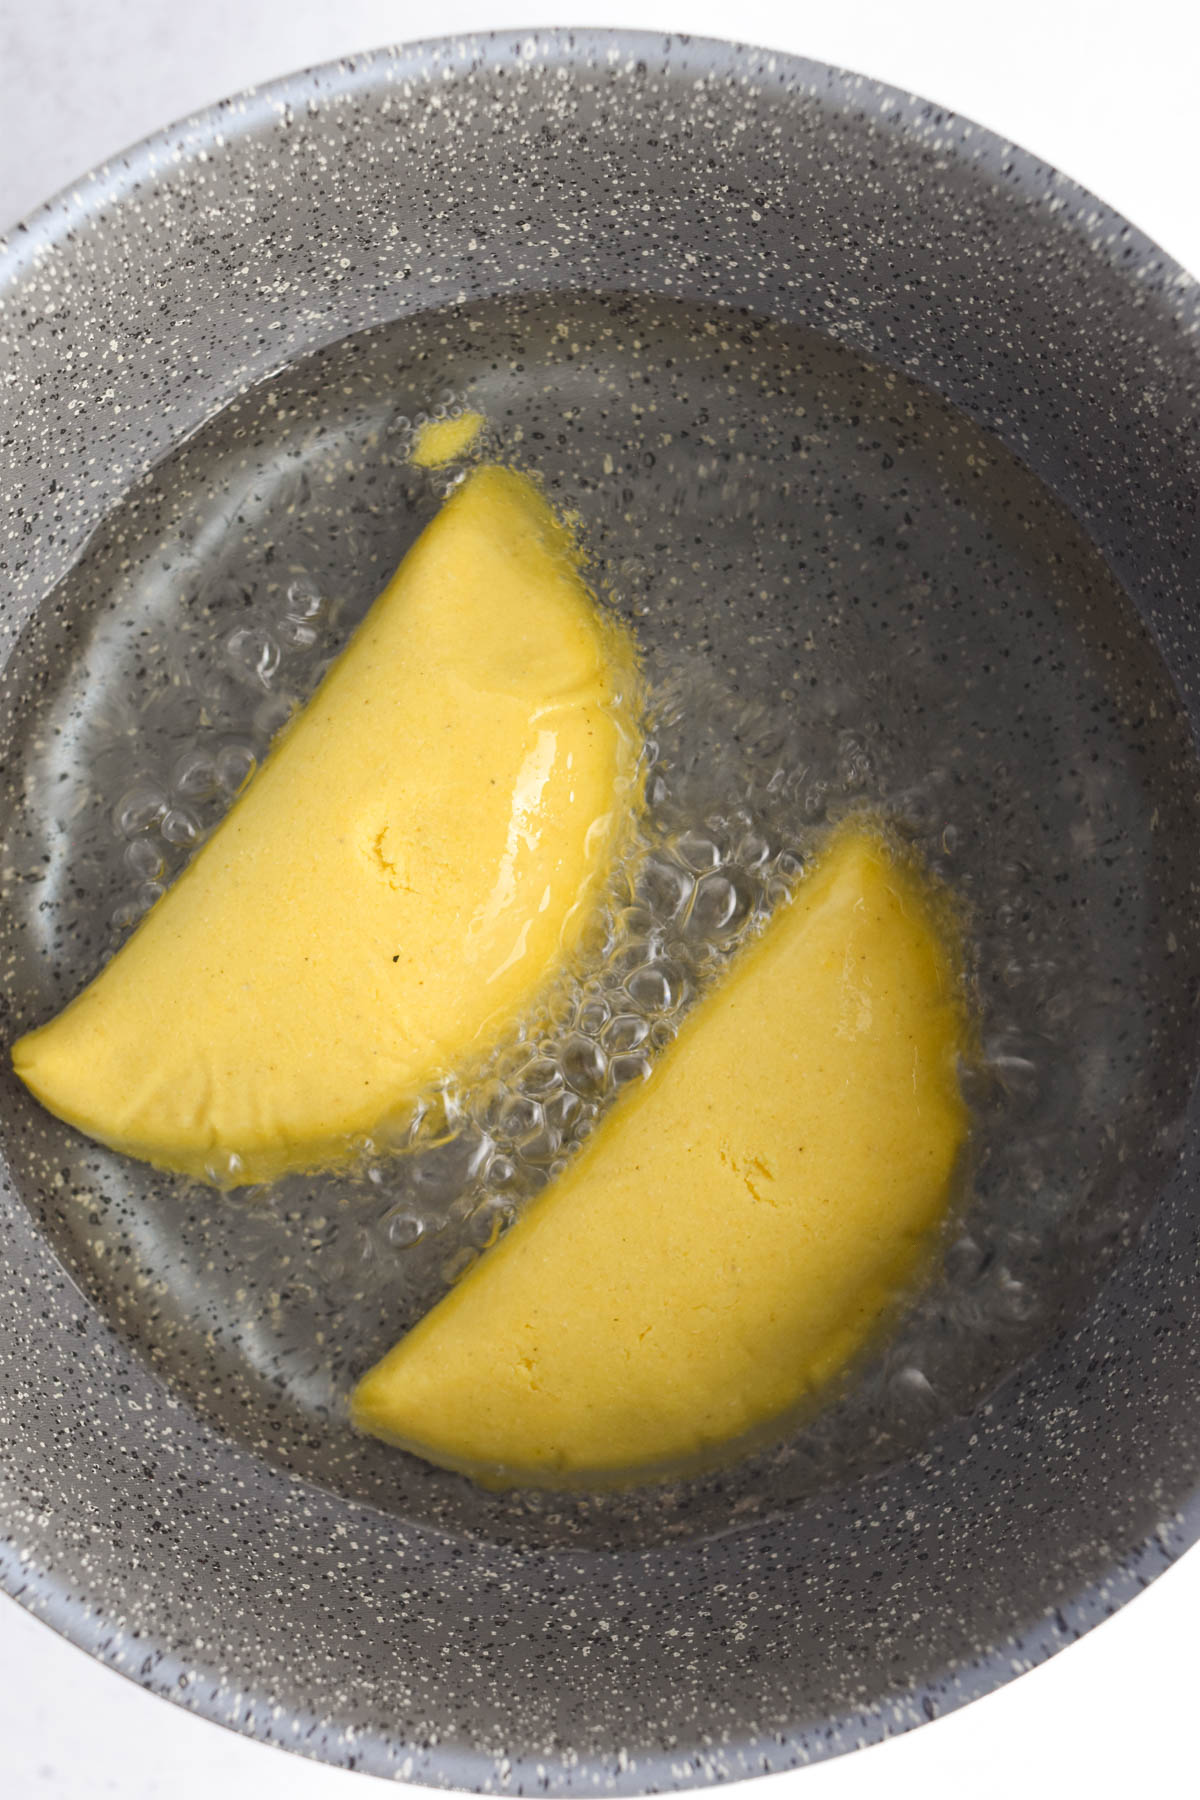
(848, 598)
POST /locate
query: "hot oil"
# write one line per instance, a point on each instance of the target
(846, 597)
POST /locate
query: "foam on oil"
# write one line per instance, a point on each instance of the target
(846, 596)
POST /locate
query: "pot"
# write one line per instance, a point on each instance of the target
(905, 424)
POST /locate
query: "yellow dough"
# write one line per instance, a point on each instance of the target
(737, 1226)
(445, 440)
(417, 854)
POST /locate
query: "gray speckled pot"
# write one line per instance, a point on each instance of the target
(134, 307)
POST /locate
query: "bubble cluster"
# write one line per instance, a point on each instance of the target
(717, 850)
(404, 429)
(212, 722)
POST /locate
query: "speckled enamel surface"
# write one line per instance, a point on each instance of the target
(134, 308)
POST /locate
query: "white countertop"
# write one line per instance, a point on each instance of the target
(1106, 91)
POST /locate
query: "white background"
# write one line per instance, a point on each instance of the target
(1109, 94)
